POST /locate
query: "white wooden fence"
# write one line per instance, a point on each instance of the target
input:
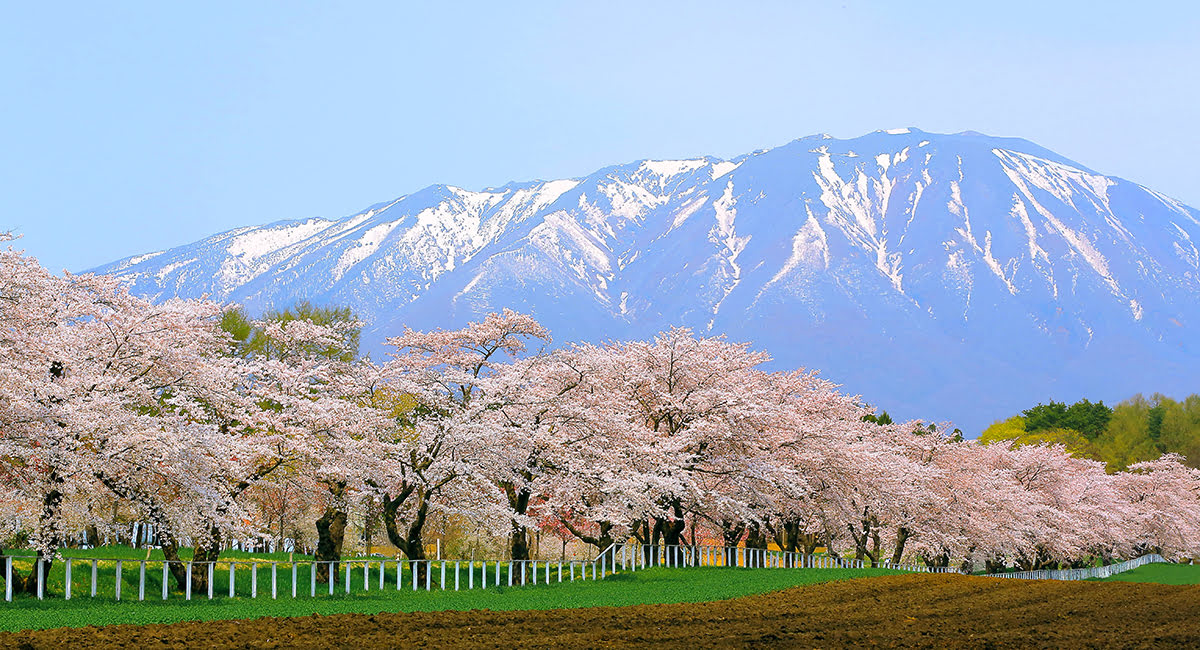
(300, 576)
(1084, 574)
(640, 556)
(363, 575)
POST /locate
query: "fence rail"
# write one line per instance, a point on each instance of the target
(1084, 574)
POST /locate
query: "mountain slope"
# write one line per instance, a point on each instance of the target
(952, 277)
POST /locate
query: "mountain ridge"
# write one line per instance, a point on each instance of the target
(870, 258)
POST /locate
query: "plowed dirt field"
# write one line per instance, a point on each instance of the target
(896, 611)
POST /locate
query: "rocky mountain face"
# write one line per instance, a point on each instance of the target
(943, 277)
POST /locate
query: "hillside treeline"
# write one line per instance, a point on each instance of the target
(1135, 430)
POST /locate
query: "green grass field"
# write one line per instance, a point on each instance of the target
(628, 588)
(1164, 574)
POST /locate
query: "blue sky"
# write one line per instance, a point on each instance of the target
(132, 127)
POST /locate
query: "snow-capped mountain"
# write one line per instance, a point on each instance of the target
(959, 277)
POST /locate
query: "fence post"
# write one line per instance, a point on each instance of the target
(188, 582)
(382, 572)
(399, 573)
(443, 563)
(212, 565)
(164, 580)
(456, 575)
(312, 580)
(429, 575)
(603, 564)
(346, 571)
(254, 579)
(232, 573)
(118, 583)
(293, 579)
(274, 566)
(559, 572)
(94, 564)
(367, 575)
(510, 573)
(8, 579)
(41, 589)
(142, 580)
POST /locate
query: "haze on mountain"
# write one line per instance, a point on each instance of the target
(943, 277)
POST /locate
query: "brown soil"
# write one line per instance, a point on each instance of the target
(897, 611)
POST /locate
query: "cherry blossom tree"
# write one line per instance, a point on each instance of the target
(1164, 516)
(458, 381)
(211, 425)
(95, 391)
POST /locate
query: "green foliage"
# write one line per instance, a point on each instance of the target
(238, 325)
(627, 588)
(1083, 416)
(880, 419)
(1011, 429)
(251, 340)
(1135, 430)
(1014, 432)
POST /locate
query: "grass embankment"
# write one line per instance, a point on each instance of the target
(650, 586)
(1163, 574)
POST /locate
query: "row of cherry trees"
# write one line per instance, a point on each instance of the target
(677, 440)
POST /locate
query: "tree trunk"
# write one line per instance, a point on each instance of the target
(810, 542)
(860, 537)
(331, 534)
(412, 541)
(787, 535)
(48, 526)
(875, 543)
(655, 540)
(518, 500)
(206, 551)
(602, 540)
(731, 536)
(671, 529)
(902, 535)
(640, 529)
(92, 535)
(829, 549)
